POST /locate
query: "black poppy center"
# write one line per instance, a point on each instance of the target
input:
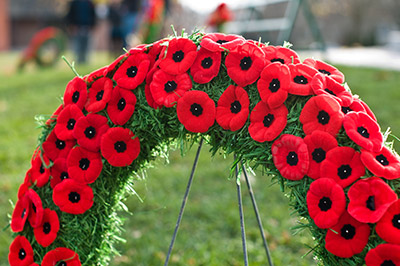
(90, 132)
(207, 62)
(84, 163)
(41, 169)
(323, 71)
(363, 132)
(388, 263)
(396, 221)
(300, 79)
(268, 119)
(318, 155)
(221, 41)
(292, 159)
(274, 85)
(62, 263)
(22, 254)
(196, 109)
(121, 104)
(120, 146)
(34, 208)
(75, 97)
(330, 92)
(74, 197)
(63, 175)
(236, 107)
(345, 110)
(371, 203)
(348, 231)
(382, 160)
(23, 213)
(178, 56)
(278, 60)
(131, 71)
(325, 204)
(46, 228)
(60, 144)
(99, 95)
(344, 171)
(245, 63)
(71, 124)
(170, 86)
(323, 117)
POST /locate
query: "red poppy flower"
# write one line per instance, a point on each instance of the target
(147, 91)
(99, 95)
(280, 54)
(55, 148)
(121, 106)
(355, 106)
(322, 84)
(46, 233)
(363, 130)
(302, 76)
(318, 144)
(96, 74)
(66, 122)
(84, 165)
(133, 70)
(119, 146)
(59, 171)
(73, 197)
(326, 202)
(35, 208)
(21, 252)
(245, 63)
(367, 109)
(196, 111)
(326, 69)
(110, 70)
(233, 108)
(20, 214)
(23, 188)
(290, 156)
(61, 257)
(154, 51)
(383, 255)
(369, 199)
(76, 92)
(273, 84)
(383, 163)
(167, 89)
(266, 124)
(342, 164)
(206, 66)
(181, 53)
(89, 129)
(39, 173)
(348, 237)
(54, 116)
(218, 42)
(388, 227)
(321, 113)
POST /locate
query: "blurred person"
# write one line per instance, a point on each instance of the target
(81, 18)
(130, 18)
(115, 10)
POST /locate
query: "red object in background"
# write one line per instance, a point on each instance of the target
(220, 16)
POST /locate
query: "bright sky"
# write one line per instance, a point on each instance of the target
(207, 6)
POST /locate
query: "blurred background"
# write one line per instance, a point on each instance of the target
(360, 37)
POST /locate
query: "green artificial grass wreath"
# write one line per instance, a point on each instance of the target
(296, 121)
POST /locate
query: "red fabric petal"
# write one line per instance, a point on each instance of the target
(383, 254)
(21, 252)
(46, 233)
(322, 84)
(20, 214)
(325, 69)
(290, 156)
(383, 163)
(56, 148)
(181, 53)
(196, 111)
(274, 84)
(318, 144)
(89, 129)
(218, 42)
(266, 124)
(76, 92)
(280, 54)
(121, 106)
(99, 95)
(301, 75)
(35, 208)
(120, 147)
(342, 164)
(39, 173)
(369, 199)
(363, 130)
(388, 227)
(73, 197)
(233, 108)
(54, 116)
(66, 122)
(61, 254)
(59, 171)
(206, 66)
(83, 165)
(326, 202)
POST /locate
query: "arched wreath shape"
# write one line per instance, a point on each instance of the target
(296, 120)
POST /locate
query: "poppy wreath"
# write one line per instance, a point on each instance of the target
(296, 120)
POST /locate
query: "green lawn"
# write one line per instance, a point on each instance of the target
(210, 232)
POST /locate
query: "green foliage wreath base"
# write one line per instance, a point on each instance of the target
(93, 234)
